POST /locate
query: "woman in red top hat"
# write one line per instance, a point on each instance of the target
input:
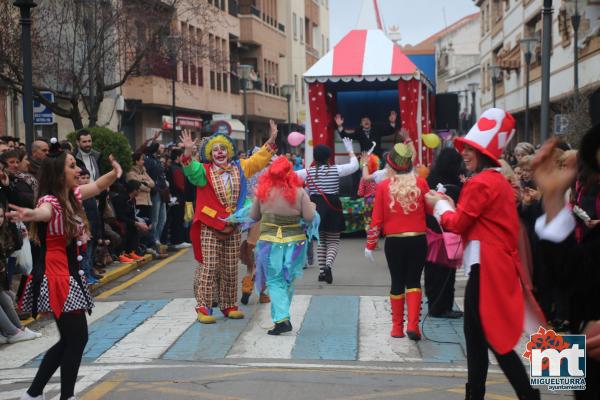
(57, 283)
(399, 213)
(486, 218)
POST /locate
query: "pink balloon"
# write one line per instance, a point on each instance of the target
(295, 138)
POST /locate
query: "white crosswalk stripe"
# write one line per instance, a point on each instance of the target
(255, 344)
(151, 339)
(376, 344)
(18, 354)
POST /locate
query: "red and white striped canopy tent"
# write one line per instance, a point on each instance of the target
(366, 56)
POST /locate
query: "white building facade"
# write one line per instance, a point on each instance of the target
(458, 67)
(307, 41)
(503, 24)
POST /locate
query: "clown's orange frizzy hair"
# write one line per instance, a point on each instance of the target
(279, 175)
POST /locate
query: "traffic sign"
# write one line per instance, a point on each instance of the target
(42, 115)
(561, 124)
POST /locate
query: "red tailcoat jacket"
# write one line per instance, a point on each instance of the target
(487, 212)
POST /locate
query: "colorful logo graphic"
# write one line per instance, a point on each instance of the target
(556, 361)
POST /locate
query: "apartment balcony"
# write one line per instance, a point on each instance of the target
(156, 91)
(311, 11)
(254, 31)
(312, 56)
(247, 8)
(264, 105)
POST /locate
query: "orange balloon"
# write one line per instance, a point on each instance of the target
(423, 171)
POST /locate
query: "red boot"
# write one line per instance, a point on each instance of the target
(397, 302)
(413, 303)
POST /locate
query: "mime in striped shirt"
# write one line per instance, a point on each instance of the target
(323, 185)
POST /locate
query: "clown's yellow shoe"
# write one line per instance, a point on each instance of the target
(206, 319)
(233, 313)
(204, 315)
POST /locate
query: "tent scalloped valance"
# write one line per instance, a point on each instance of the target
(371, 78)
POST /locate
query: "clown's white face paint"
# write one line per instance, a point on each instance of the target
(219, 154)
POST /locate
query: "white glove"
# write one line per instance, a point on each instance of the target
(369, 255)
(348, 144)
(440, 188)
(372, 147)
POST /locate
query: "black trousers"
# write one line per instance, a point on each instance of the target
(439, 288)
(65, 354)
(477, 348)
(145, 212)
(405, 257)
(175, 220)
(132, 238)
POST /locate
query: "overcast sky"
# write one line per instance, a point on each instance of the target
(416, 19)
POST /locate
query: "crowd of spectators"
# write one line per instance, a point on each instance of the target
(147, 210)
(584, 200)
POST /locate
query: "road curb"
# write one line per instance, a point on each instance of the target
(119, 271)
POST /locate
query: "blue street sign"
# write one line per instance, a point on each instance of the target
(41, 114)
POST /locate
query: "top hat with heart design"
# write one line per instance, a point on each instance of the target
(490, 134)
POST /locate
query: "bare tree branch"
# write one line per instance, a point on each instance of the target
(84, 50)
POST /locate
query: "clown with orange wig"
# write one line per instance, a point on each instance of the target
(283, 207)
(221, 190)
(367, 188)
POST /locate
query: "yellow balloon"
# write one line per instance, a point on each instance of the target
(431, 140)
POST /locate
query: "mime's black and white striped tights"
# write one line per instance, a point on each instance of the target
(328, 248)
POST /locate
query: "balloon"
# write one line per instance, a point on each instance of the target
(295, 138)
(431, 140)
(422, 171)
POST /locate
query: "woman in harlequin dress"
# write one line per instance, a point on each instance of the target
(57, 283)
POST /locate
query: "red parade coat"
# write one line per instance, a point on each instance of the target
(487, 212)
(209, 211)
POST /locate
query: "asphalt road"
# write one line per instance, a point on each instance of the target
(145, 344)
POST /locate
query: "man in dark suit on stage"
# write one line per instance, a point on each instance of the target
(365, 134)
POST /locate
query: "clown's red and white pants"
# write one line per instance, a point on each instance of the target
(219, 270)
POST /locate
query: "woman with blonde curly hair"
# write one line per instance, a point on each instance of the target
(399, 214)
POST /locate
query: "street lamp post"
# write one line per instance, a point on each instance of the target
(473, 86)
(546, 48)
(173, 43)
(527, 44)
(496, 71)
(573, 10)
(286, 91)
(25, 7)
(89, 29)
(243, 72)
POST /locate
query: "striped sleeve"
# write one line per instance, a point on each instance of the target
(55, 225)
(77, 192)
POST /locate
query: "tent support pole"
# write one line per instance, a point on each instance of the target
(420, 123)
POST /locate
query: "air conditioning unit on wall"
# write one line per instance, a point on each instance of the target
(120, 103)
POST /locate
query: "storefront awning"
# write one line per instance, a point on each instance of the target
(233, 127)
